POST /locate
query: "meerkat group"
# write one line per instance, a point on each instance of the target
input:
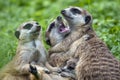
(76, 51)
(95, 61)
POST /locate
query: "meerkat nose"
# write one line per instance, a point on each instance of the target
(59, 18)
(62, 11)
(37, 23)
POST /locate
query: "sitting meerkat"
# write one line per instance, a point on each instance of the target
(96, 62)
(29, 51)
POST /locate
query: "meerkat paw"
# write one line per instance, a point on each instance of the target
(59, 70)
(67, 75)
(33, 70)
(46, 71)
(86, 37)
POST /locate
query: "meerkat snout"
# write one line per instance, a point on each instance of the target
(59, 18)
(62, 11)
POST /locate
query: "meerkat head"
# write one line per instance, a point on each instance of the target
(56, 31)
(76, 16)
(28, 31)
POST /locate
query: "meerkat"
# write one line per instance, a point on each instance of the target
(96, 62)
(29, 51)
(55, 33)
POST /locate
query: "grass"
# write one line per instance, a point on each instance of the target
(105, 13)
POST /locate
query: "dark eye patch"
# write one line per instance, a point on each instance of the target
(51, 26)
(75, 11)
(28, 26)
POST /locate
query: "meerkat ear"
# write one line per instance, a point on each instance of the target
(87, 19)
(17, 34)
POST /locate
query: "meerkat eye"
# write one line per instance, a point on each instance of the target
(28, 26)
(75, 11)
(51, 26)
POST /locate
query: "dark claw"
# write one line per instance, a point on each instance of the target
(68, 75)
(59, 71)
(63, 74)
(65, 70)
(47, 71)
(34, 71)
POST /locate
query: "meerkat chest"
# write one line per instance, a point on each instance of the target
(35, 51)
(41, 50)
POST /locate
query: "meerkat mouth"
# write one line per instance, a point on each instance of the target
(66, 16)
(63, 28)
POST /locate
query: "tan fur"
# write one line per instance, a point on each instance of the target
(29, 50)
(96, 62)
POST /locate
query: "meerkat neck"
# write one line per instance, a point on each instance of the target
(34, 44)
(29, 43)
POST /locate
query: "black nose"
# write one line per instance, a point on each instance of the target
(59, 18)
(37, 23)
(62, 11)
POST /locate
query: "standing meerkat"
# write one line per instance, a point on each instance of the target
(29, 50)
(95, 60)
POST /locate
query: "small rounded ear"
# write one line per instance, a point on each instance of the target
(48, 41)
(17, 34)
(87, 19)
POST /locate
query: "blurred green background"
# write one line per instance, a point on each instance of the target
(106, 23)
